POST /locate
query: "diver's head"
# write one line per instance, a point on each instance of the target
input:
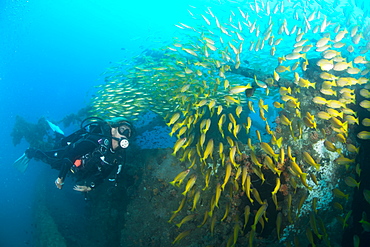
(121, 130)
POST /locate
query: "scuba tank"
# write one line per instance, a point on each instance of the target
(98, 131)
(89, 126)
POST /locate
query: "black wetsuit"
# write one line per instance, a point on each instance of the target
(93, 149)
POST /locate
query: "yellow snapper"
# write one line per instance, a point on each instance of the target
(320, 100)
(306, 83)
(227, 175)
(307, 157)
(239, 89)
(366, 122)
(365, 93)
(365, 104)
(173, 119)
(295, 55)
(179, 143)
(209, 150)
(180, 178)
(270, 164)
(350, 181)
(189, 184)
(324, 115)
(365, 135)
(330, 146)
(338, 193)
(342, 66)
(325, 64)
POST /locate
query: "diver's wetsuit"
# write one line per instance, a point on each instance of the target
(94, 150)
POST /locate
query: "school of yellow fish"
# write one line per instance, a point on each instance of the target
(232, 182)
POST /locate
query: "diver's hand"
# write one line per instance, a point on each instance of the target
(82, 188)
(59, 183)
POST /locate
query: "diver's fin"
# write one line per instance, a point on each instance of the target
(55, 128)
(22, 163)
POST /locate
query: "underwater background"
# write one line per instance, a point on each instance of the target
(60, 58)
(52, 55)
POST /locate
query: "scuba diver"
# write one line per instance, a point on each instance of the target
(91, 153)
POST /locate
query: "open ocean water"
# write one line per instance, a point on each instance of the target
(53, 55)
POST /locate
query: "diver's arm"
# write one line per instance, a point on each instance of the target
(66, 165)
(100, 176)
(77, 150)
(97, 180)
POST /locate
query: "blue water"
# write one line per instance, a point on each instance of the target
(51, 56)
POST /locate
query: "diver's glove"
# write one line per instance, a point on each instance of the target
(59, 183)
(82, 188)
